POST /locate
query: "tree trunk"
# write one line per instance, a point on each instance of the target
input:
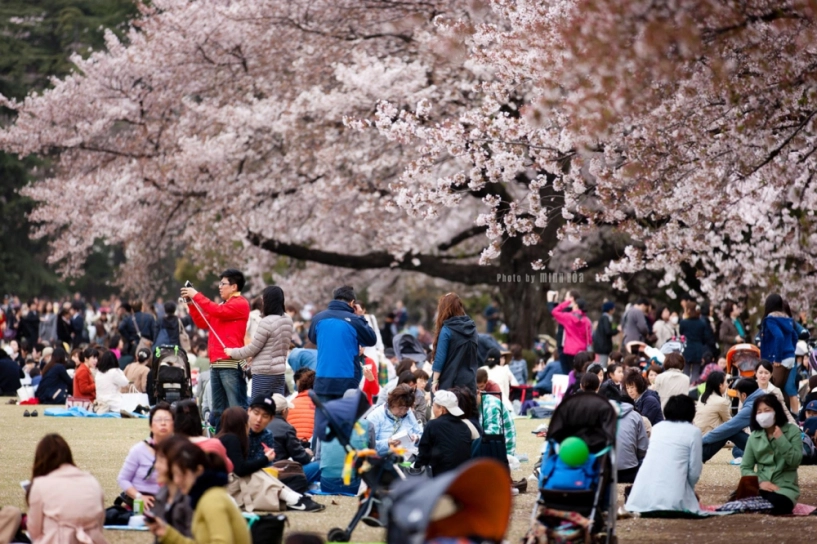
(524, 307)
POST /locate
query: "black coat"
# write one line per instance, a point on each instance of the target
(460, 368)
(241, 466)
(30, 327)
(10, 375)
(445, 444)
(699, 338)
(603, 335)
(287, 444)
(64, 331)
(55, 386)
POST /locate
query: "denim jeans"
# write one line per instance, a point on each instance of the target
(544, 380)
(313, 472)
(738, 439)
(228, 388)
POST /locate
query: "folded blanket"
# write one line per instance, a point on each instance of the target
(76, 411)
(799, 508)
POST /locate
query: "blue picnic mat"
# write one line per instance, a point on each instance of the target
(76, 411)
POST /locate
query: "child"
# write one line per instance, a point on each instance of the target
(810, 424)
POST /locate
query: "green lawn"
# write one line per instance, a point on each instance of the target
(100, 446)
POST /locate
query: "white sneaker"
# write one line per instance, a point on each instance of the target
(514, 492)
(736, 461)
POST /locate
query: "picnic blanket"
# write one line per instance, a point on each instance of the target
(76, 411)
(746, 505)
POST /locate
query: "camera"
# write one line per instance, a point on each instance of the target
(188, 284)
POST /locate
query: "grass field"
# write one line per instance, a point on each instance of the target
(100, 446)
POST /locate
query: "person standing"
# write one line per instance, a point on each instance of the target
(491, 315)
(455, 347)
(227, 323)
(634, 323)
(731, 331)
(663, 329)
(778, 339)
(578, 329)
(168, 331)
(338, 332)
(269, 346)
(77, 325)
(604, 333)
(389, 330)
(698, 335)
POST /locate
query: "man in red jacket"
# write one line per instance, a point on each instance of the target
(228, 325)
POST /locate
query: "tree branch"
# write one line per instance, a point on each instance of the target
(461, 237)
(430, 265)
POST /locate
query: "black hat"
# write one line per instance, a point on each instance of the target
(389, 353)
(263, 402)
(492, 357)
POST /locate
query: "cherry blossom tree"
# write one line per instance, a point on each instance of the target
(687, 125)
(393, 136)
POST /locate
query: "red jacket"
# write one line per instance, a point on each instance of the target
(84, 385)
(371, 388)
(228, 320)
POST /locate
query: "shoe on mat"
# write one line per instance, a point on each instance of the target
(306, 505)
(736, 461)
(34, 413)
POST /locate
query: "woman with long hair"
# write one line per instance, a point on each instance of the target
(698, 335)
(56, 385)
(109, 381)
(714, 407)
(455, 346)
(764, 375)
(202, 476)
(235, 425)
(778, 339)
(269, 346)
(65, 504)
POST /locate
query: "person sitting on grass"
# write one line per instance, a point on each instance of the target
(672, 381)
(590, 383)
(170, 503)
(137, 478)
(56, 385)
(287, 445)
(302, 413)
(646, 400)
(84, 385)
(395, 416)
(442, 446)
(202, 476)
(747, 391)
(667, 477)
(187, 423)
(714, 407)
(65, 504)
(109, 383)
(773, 453)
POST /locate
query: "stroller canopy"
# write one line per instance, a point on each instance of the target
(587, 416)
(473, 501)
(407, 346)
(337, 418)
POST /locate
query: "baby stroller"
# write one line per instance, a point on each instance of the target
(742, 360)
(454, 505)
(578, 503)
(337, 419)
(171, 371)
(407, 346)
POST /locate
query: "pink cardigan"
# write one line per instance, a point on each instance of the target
(66, 507)
(578, 329)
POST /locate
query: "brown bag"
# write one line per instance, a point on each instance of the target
(258, 491)
(184, 338)
(292, 475)
(748, 487)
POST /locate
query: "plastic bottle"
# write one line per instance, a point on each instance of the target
(138, 505)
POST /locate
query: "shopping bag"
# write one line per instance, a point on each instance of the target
(131, 400)
(79, 402)
(25, 392)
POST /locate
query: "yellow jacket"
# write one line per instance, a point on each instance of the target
(216, 520)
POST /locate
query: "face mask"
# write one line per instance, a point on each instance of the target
(674, 320)
(765, 419)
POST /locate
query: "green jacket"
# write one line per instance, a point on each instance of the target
(216, 519)
(776, 459)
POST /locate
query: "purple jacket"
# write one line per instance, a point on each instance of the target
(139, 470)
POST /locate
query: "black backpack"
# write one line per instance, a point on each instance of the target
(268, 529)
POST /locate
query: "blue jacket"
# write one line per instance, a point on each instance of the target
(778, 338)
(333, 455)
(255, 450)
(339, 332)
(736, 424)
(649, 406)
(55, 386)
(302, 357)
(386, 425)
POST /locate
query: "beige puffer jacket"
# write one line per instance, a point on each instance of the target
(269, 346)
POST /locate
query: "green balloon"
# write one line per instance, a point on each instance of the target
(573, 451)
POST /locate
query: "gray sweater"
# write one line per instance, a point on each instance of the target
(631, 439)
(269, 346)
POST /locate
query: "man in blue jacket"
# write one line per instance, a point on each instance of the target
(339, 331)
(732, 430)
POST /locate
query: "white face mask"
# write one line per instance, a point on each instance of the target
(765, 419)
(673, 319)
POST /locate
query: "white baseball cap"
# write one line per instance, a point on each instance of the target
(448, 400)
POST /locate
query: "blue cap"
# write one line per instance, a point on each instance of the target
(812, 406)
(607, 306)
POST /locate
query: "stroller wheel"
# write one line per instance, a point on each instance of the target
(338, 535)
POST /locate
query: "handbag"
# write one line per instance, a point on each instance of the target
(143, 342)
(292, 475)
(268, 529)
(493, 445)
(184, 338)
(258, 491)
(80, 402)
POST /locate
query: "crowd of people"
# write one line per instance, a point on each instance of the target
(440, 399)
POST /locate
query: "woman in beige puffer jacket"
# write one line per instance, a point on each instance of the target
(269, 346)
